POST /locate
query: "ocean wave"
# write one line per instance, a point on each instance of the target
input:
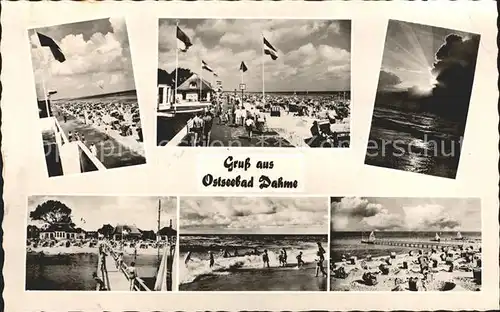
(198, 267)
(205, 244)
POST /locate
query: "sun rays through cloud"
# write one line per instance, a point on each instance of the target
(410, 55)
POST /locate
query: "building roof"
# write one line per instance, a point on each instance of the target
(193, 83)
(167, 231)
(130, 229)
(64, 227)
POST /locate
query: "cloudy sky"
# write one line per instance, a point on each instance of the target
(406, 214)
(91, 212)
(409, 55)
(313, 55)
(97, 55)
(253, 215)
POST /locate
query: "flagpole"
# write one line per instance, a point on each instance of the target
(43, 65)
(241, 70)
(263, 73)
(201, 71)
(45, 93)
(176, 61)
(158, 231)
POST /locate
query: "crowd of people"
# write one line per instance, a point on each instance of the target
(333, 107)
(251, 112)
(418, 269)
(107, 117)
(282, 258)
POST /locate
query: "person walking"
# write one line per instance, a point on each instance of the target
(265, 259)
(132, 275)
(249, 124)
(208, 121)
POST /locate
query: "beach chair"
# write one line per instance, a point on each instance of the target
(275, 111)
(412, 283)
(369, 279)
(384, 269)
(341, 273)
(476, 273)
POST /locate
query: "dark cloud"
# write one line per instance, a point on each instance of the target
(456, 55)
(454, 69)
(388, 79)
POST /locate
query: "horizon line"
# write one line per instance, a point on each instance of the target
(240, 233)
(96, 94)
(333, 231)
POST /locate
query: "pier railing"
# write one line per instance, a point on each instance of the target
(415, 244)
(139, 284)
(74, 156)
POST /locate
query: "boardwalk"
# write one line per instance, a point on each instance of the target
(110, 152)
(116, 278)
(174, 131)
(412, 244)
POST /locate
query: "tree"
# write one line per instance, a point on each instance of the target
(149, 234)
(52, 212)
(183, 74)
(169, 78)
(32, 231)
(165, 78)
(106, 230)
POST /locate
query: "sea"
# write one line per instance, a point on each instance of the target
(339, 94)
(245, 272)
(417, 142)
(349, 243)
(74, 271)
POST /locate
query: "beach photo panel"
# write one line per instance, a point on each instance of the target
(422, 99)
(254, 83)
(87, 102)
(253, 244)
(101, 243)
(405, 244)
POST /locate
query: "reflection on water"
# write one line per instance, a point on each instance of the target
(74, 271)
(420, 143)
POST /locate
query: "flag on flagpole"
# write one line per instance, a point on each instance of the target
(184, 39)
(205, 66)
(270, 50)
(243, 67)
(54, 48)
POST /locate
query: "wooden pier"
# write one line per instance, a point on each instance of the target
(116, 278)
(422, 244)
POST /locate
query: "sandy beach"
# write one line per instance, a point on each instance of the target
(402, 269)
(61, 249)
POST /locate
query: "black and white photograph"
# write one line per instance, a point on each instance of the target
(422, 100)
(253, 244)
(101, 243)
(405, 244)
(254, 83)
(87, 103)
